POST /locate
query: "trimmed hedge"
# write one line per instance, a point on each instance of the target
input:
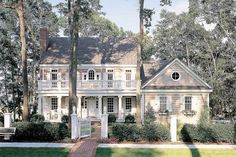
(111, 118)
(155, 132)
(209, 133)
(126, 132)
(65, 119)
(149, 132)
(43, 132)
(37, 118)
(129, 119)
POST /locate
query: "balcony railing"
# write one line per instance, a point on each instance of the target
(86, 85)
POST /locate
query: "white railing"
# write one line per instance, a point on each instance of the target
(87, 84)
(84, 128)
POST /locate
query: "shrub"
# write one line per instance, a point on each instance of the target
(111, 118)
(2, 119)
(65, 119)
(128, 132)
(149, 132)
(155, 132)
(149, 116)
(43, 132)
(1, 124)
(37, 118)
(129, 119)
(208, 133)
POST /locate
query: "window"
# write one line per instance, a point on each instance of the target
(54, 77)
(175, 76)
(85, 104)
(128, 78)
(91, 75)
(97, 77)
(188, 103)
(54, 103)
(85, 77)
(128, 104)
(96, 103)
(110, 105)
(110, 78)
(163, 103)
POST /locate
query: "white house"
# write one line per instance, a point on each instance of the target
(106, 81)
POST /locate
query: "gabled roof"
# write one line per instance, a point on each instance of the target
(92, 51)
(202, 84)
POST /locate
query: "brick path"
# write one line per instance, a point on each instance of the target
(86, 147)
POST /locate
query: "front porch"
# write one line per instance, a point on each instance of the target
(54, 107)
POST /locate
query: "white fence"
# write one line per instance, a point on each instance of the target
(84, 128)
(80, 127)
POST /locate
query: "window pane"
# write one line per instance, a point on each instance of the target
(128, 104)
(188, 103)
(163, 103)
(54, 103)
(110, 105)
(91, 75)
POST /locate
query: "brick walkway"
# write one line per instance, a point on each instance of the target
(86, 147)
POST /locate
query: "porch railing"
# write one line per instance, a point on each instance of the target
(86, 84)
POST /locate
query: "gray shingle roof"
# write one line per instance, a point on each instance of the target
(91, 51)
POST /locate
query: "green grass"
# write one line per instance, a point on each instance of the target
(34, 152)
(184, 152)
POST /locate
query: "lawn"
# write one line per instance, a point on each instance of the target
(128, 152)
(34, 152)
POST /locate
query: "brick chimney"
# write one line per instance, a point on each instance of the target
(43, 38)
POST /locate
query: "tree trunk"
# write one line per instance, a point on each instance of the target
(20, 12)
(73, 23)
(138, 80)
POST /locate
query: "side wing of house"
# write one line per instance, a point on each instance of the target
(176, 90)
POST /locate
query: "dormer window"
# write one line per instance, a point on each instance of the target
(91, 74)
(175, 76)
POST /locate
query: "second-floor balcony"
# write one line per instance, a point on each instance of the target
(87, 84)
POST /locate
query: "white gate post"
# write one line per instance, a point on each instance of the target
(7, 124)
(74, 125)
(173, 128)
(7, 120)
(104, 126)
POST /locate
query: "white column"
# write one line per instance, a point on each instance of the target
(7, 124)
(100, 106)
(59, 108)
(79, 107)
(120, 108)
(39, 104)
(173, 128)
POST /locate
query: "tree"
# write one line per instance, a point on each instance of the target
(144, 15)
(18, 6)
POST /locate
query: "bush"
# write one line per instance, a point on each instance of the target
(65, 119)
(149, 132)
(129, 119)
(111, 118)
(208, 133)
(43, 132)
(1, 124)
(2, 119)
(149, 116)
(128, 132)
(155, 132)
(37, 118)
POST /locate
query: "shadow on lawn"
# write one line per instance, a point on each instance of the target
(193, 149)
(127, 152)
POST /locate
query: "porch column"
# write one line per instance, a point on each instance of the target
(120, 108)
(100, 106)
(39, 104)
(59, 107)
(79, 107)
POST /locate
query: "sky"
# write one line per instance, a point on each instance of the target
(125, 12)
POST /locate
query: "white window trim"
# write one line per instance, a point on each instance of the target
(191, 101)
(173, 73)
(112, 104)
(129, 110)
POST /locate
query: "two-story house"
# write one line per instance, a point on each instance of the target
(106, 81)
